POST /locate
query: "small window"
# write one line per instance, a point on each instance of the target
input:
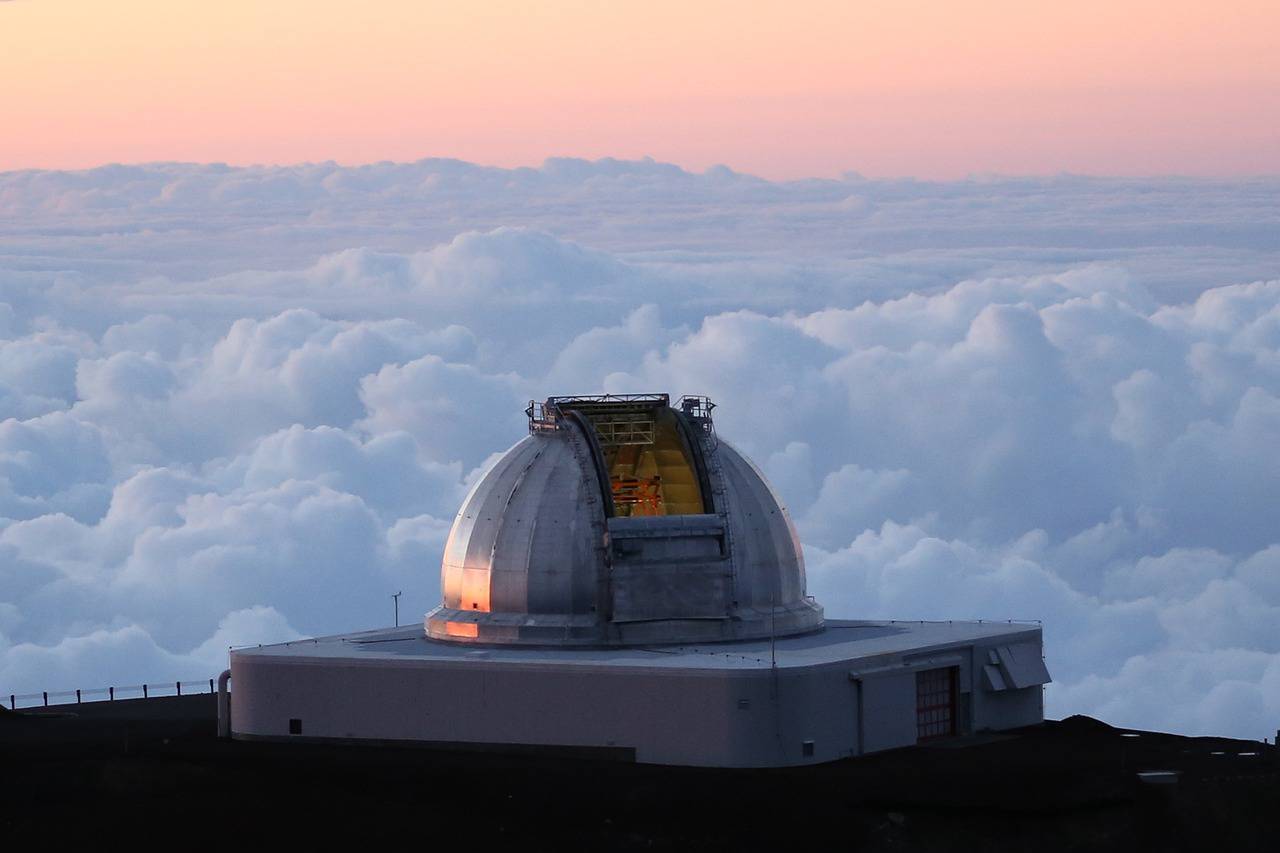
(806, 748)
(295, 726)
(936, 703)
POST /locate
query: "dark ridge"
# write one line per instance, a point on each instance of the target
(151, 772)
(1081, 723)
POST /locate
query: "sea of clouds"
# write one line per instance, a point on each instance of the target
(240, 405)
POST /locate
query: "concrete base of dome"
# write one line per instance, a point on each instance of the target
(532, 629)
(853, 688)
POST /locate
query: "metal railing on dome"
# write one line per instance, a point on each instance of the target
(542, 418)
(698, 409)
(606, 409)
(622, 400)
(150, 690)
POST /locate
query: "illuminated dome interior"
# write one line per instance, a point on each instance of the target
(650, 462)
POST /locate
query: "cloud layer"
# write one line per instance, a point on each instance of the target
(241, 405)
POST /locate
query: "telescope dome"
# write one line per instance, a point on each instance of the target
(621, 520)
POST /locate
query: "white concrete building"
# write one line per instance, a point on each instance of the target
(624, 583)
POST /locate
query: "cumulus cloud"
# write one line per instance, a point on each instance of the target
(119, 656)
(240, 405)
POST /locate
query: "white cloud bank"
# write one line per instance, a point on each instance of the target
(242, 405)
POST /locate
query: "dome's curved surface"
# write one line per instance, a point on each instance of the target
(621, 520)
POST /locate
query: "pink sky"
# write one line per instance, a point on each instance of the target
(781, 89)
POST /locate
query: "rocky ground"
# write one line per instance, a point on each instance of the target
(152, 772)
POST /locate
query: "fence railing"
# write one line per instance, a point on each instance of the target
(53, 698)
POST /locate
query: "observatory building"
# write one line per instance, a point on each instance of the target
(624, 583)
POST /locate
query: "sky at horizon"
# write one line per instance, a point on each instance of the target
(797, 89)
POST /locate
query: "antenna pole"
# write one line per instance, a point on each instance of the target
(773, 667)
(773, 636)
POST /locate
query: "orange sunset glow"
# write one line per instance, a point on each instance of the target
(783, 89)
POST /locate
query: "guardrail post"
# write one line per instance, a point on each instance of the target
(46, 698)
(77, 695)
(111, 694)
(224, 704)
(144, 691)
(210, 685)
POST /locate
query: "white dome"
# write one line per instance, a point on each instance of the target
(622, 520)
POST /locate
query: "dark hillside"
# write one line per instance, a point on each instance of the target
(151, 772)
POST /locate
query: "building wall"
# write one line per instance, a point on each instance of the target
(889, 709)
(668, 717)
(728, 718)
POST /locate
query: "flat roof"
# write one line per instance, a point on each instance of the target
(841, 641)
